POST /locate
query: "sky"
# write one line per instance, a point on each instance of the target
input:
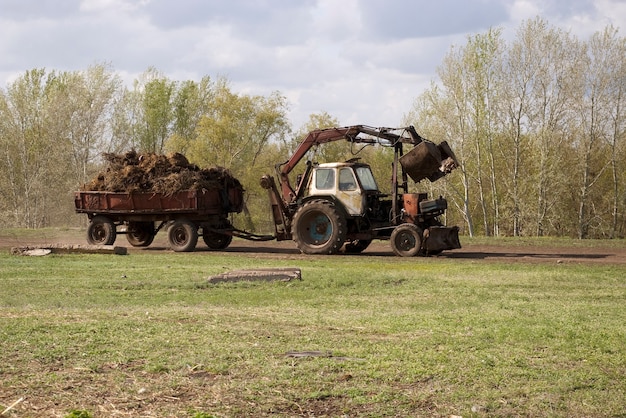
(361, 61)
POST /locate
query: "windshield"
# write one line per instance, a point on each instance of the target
(366, 178)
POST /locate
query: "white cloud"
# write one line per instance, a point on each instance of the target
(399, 19)
(582, 18)
(363, 61)
(335, 21)
(109, 6)
(524, 9)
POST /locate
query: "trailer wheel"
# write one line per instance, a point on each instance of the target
(357, 246)
(319, 228)
(183, 236)
(406, 240)
(101, 231)
(216, 241)
(140, 234)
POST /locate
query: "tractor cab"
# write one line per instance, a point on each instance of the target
(349, 183)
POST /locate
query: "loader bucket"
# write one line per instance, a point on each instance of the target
(427, 160)
(441, 238)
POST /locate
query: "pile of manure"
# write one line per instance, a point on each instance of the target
(156, 173)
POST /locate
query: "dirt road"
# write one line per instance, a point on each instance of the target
(606, 252)
(484, 253)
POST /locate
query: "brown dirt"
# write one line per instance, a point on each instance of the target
(482, 253)
(600, 254)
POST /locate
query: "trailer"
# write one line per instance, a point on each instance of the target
(185, 214)
(334, 206)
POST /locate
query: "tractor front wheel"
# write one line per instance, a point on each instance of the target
(406, 240)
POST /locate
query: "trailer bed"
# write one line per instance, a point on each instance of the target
(197, 202)
(186, 214)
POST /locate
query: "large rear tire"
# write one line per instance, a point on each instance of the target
(101, 231)
(140, 234)
(183, 236)
(319, 228)
(406, 240)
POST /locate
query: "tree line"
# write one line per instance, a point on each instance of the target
(537, 124)
(539, 128)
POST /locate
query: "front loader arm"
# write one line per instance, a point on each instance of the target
(349, 133)
(314, 138)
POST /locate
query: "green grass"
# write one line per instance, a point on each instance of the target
(146, 335)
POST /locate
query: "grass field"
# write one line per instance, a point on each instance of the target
(145, 335)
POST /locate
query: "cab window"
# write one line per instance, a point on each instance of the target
(347, 181)
(366, 178)
(324, 178)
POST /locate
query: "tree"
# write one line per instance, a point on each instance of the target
(83, 107)
(326, 153)
(192, 100)
(481, 59)
(538, 128)
(28, 154)
(617, 131)
(451, 107)
(238, 128)
(543, 80)
(602, 124)
(435, 117)
(235, 134)
(521, 69)
(145, 120)
(157, 115)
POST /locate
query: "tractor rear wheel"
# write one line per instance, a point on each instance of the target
(319, 228)
(406, 240)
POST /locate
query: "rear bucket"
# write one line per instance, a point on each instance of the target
(441, 238)
(427, 160)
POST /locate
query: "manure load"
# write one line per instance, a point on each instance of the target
(139, 194)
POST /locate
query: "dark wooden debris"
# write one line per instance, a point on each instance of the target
(68, 249)
(327, 354)
(284, 274)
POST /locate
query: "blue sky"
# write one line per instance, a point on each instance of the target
(362, 61)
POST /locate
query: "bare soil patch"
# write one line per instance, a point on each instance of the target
(499, 252)
(471, 252)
